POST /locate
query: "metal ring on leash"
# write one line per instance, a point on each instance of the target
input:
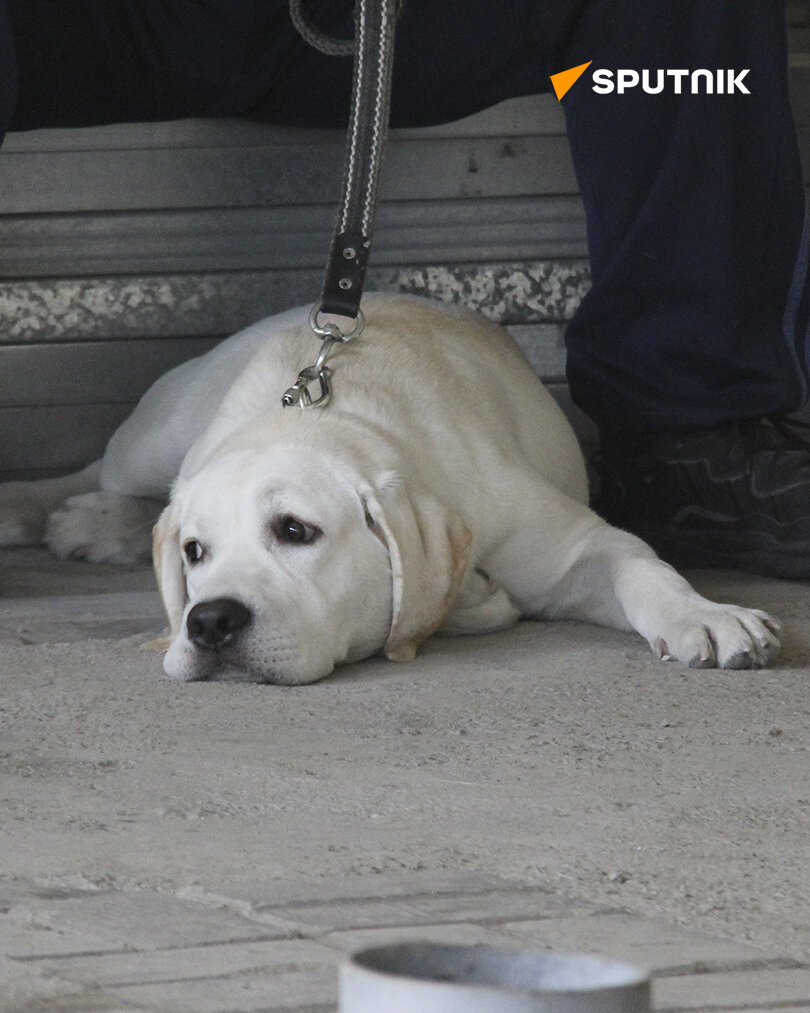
(331, 331)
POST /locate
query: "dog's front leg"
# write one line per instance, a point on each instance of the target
(618, 580)
(561, 561)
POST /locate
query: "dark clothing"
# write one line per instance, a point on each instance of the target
(698, 314)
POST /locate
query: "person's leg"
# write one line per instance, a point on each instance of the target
(696, 325)
(694, 206)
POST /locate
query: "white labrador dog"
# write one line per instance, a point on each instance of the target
(442, 489)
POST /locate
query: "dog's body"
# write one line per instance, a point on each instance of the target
(442, 488)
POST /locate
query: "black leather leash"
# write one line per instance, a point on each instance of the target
(373, 49)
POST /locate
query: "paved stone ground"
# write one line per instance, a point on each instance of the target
(277, 947)
(220, 943)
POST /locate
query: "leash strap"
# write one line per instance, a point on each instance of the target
(348, 258)
(375, 21)
(373, 49)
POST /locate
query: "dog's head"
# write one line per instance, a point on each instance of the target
(274, 564)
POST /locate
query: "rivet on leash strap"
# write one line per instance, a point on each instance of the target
(342, 291)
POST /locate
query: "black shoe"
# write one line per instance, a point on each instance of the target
(737, 496)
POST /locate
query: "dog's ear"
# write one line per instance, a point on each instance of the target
(429, 550)
(168, 565)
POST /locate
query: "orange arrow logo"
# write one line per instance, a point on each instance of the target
(563, 81)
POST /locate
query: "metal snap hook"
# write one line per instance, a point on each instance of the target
(299, 394)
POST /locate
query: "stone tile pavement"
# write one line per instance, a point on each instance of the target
(275, 946)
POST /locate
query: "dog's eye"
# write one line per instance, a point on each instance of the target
(291, 529)
(193, 551)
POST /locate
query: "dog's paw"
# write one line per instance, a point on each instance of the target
(23, 513)
(102, 527)
(708, 635)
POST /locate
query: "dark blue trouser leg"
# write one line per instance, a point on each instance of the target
(695, 209)
(697, 315)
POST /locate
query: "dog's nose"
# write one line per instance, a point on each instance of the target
(214, 624)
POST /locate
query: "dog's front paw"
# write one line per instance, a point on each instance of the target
(708, 635)
(102, 527)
